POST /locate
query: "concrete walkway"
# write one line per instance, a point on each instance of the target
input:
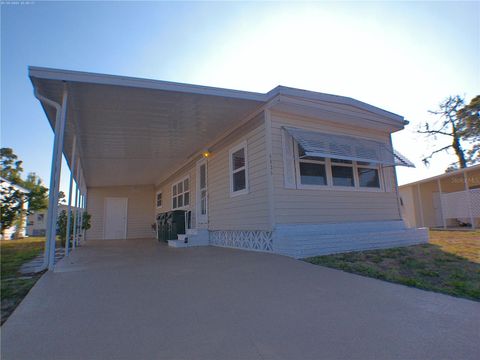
(139, 299)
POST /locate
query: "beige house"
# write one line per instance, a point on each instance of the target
(448, 200)
(290, 171)
(37, 221)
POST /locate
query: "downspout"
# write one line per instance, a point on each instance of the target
(49, 254)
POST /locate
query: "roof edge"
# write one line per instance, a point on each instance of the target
(313, 95)
(118, 80)
(444, 175)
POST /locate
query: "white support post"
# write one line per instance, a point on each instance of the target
(52, 214)
(469, 200)
(420, 205)
(74, 239)
(80, 223)
(69, 209)
(442, 207)
(85, 209)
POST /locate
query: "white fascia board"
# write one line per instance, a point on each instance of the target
(442, 176)
(312, 95)
(104, 79)
(313, 109)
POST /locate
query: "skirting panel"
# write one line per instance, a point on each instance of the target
(251, 240)
(323, 239)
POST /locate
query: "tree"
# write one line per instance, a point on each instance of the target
(469, 118)
(38, 196)
(457, 121)
(12, 200)
(62, 198)
(11, 166)
(11, 206)
(62, 224)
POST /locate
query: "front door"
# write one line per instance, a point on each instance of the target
(115, 221)
(202, 192)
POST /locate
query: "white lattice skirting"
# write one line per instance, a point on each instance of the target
(251, 240)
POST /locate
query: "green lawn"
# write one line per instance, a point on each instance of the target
(449, 264)
(14, 286)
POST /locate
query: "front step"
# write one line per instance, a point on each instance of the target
(177, 244)
(193, 237)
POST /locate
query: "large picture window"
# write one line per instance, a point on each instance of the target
(238, 170)
(315, 171)
(181, 194)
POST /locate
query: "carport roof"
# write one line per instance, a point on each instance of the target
(133, 131)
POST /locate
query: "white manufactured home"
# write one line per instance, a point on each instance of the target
(292, 172)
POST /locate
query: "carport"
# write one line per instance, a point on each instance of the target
(121, 131)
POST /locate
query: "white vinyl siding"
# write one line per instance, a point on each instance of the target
(249, 211)
(140, 214)
(331, 204)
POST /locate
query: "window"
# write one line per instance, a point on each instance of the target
(368, 175)
(181, 194)
(331, 172)
(159, 199)
(312, 169)
(342, 172)
(238, 170)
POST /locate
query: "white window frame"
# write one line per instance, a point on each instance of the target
(328, 170)
(380, 177)
(182, 180)
(156, 200)
(242, 145)
(201, 218)
(297, 170)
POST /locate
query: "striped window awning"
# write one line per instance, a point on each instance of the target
(346, 148)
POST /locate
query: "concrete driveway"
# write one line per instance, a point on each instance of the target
(139, 299)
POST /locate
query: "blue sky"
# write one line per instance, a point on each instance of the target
(403, 57)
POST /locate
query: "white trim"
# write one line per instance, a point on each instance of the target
(287, 92)
(182, 180)
(442, 206)
(127, 81)
(269, 150)
(469, 200)
(156, 199)
(242, 145)
(444, 175)
(200, 218)
(419, 194)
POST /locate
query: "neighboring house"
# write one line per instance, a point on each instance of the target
(291, 171)
(14, 231)
(37, 221)
(448, 200)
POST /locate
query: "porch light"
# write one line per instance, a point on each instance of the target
(206, 153)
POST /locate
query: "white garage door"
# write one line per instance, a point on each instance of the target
(115, 221)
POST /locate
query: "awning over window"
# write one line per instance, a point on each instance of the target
(346, 148)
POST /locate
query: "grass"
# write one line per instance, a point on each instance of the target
(449, 263)
(15, 286)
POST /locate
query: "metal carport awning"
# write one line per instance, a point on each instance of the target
(347, 148)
